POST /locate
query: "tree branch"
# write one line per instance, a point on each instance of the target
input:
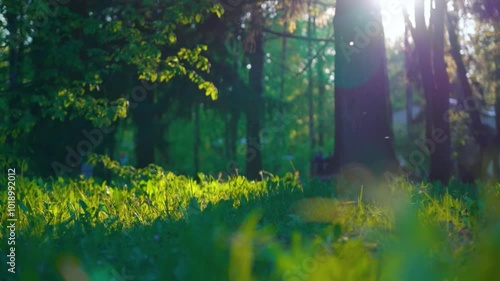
(318, 53)
(408, 23)
(290, 35)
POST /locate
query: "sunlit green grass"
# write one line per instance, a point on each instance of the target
(160, 226)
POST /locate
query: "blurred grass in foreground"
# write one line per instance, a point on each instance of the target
(159, 226)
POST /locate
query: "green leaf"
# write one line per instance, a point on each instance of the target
(83, 205)
(198, 18)
(23, 207)
(172, 38)
(218, 9)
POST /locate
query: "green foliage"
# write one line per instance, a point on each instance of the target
(164, 227)
(74, 54)
(75, 65)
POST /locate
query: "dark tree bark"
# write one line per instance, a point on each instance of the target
(429, 43)
(363, 115)
(483, 137)
(423, 46)
(310, 100)
(497, 88)
(496, 156)
(107, 147)
(196, 138)
(164, 120)
(284, 42)
(254, 110)
(232, 133)
(14, 41)
(321, 98)
(144, 118)
(408, 85)
(478, 130)
(490, 11)
(440, 168)
(293, 36)
(497, 103)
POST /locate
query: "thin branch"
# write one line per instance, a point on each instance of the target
(408, 22)
(290, 35)
(320, 51)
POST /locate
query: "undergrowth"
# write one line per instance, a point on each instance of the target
(154, 225)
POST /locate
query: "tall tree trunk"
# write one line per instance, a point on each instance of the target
(321, 98)
(472, 106)
(497, 79)
(310, 100)
(363, 115)
(254, 110)
(107, 147)
(496, 165)
(480, 132)
(231, 138)
(408, 85)
(14, 43)
(196, 137)
(440, 169)
(430, 50)
(144, 116)
(161, 144)
(284, 42)
(423, 45)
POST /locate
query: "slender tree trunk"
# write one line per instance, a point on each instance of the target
(440, 169)
(497, 79)
(107, 147)
(144, 116)
(321, 98)
(284, 42)
(423, 46)
(363, 115)
(233, 133)
(430, 49)
(254, 110)
(408, 85)
(482, 136)
(196, 137)
(496, 165)
(231, 139)
(478, 130)
(310, 100)
(161, 144)
(14, 43)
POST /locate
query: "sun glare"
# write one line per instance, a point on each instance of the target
(392, 17)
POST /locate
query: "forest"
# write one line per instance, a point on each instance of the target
(250, 140)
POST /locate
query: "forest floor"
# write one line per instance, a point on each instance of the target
(175, 228)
